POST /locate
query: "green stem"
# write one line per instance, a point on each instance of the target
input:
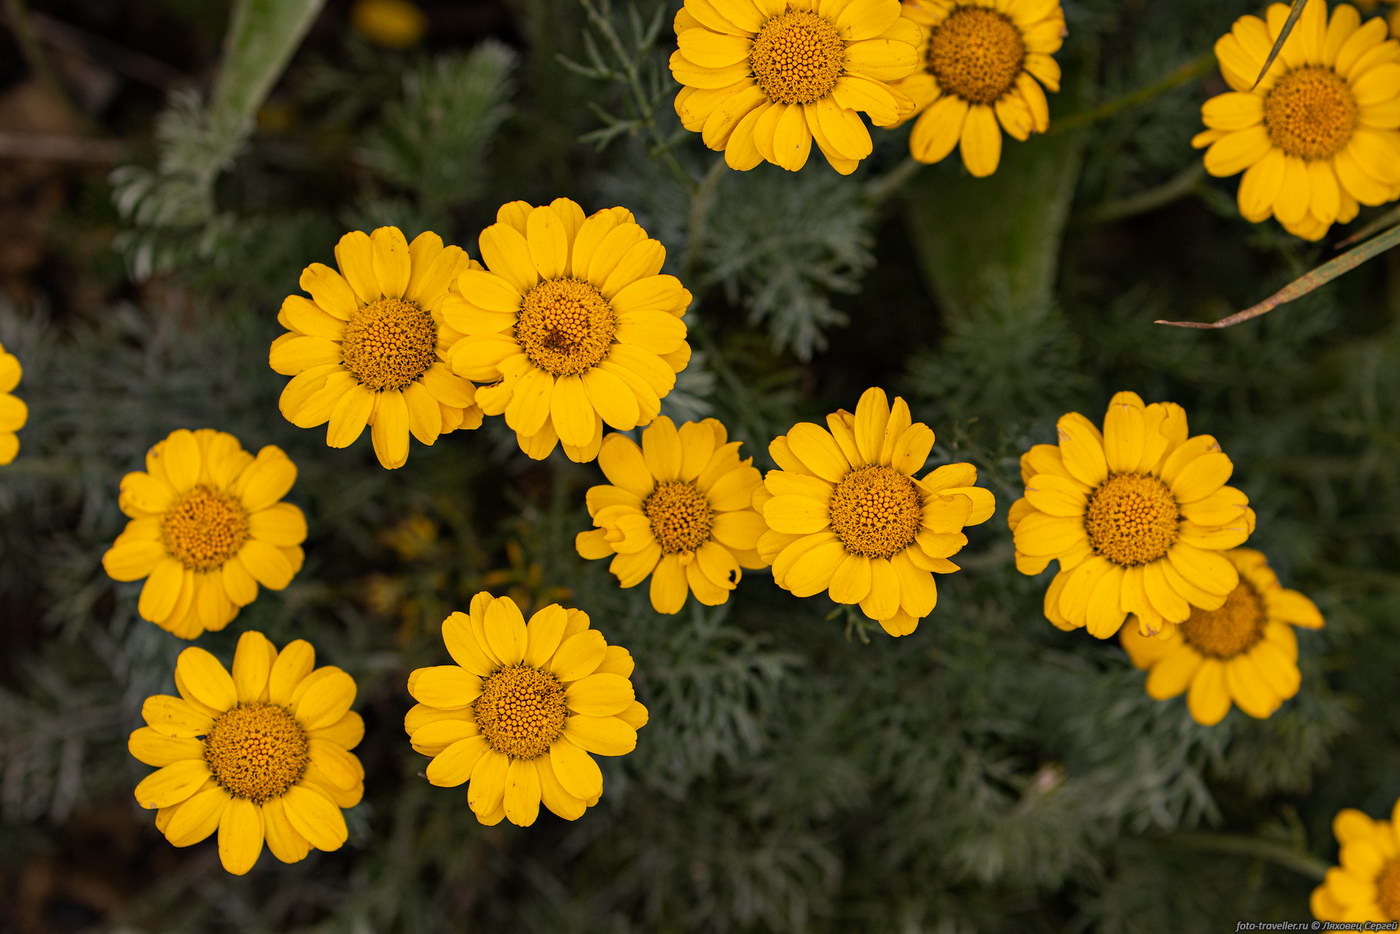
(1304, 864)
(1179, 185)
(1187, 72)
(888, 184)
(700, 200)
(660, 147)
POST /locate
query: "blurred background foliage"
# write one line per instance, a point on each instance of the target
(170, 166)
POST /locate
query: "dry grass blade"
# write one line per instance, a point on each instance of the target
(1288, 24)
(1306, 283)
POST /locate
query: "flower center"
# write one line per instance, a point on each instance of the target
(520, 711)
(257, 751)
(1132, 519)
(876, 511)
(389, 344)
(1230, 630)
(1310, 113)
(1388, 889)
(797, 57)
(204, 528)
(976, 53)
(565, 326)
(680, 516)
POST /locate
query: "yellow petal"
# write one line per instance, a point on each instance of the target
(240, 835)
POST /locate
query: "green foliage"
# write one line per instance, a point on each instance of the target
(433, 141)
(988, 772)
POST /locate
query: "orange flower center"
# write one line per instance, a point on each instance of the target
(389, 344)
(680, 516)
(976, 53)
(1311, 113)
(1388, 889)
(1229, 631)
(797, 57)
(257, 751)
(565, 326)
(876, 511)
(204, 528)
(521, 711)
(1132, 519)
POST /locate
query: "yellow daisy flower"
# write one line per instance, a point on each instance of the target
(1366, 886)
(1321, 132)
(207, 527)
(1245, 651)
(13, 412)
(368, 347)
(522, 708)
(394, 24)
(679, 509)
(846, 515)
(764, 78)
(259, 755)
(1137, 516)
(984, 62)
(573, 324)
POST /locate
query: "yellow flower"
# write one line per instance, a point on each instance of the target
(522, 708)
(1245, 651)
(13, 412)
(262, 755)
(846, 515)
(207, 527)
(368, 347)
(573, 324)
(394, 24)
(764, 78)
(1319, 133)
(1366, 886)
(1137, 517)
(984, 62)
(678, 510)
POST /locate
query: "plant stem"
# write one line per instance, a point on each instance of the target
(1304, 864)
(1184, 73)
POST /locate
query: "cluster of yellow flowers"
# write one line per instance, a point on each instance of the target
(762, 80)
(567, 325)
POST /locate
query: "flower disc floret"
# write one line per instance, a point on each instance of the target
(977, 54)
(1232, 630)
(797, 57)
(876, 511)
(845, 513)
(204, 528)
(521, 711)
(1132, 520)
(565, 326)
(389, 344)
(257, 751)
(1311, 113)
(680, 516)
